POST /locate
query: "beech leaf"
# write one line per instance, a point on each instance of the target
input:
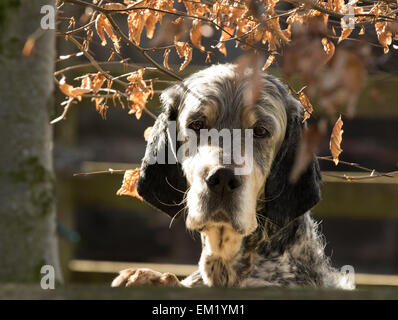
(335, 140)
(129, 184)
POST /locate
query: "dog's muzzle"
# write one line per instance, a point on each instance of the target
(223, 189)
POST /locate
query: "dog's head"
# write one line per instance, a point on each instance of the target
(224, 160)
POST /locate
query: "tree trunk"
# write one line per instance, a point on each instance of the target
(27, 182)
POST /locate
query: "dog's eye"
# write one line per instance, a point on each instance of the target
(196, 125)
(260, 132)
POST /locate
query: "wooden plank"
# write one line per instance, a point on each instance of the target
(115, 267)
(98, 291)
(183, 270)
(376, 279)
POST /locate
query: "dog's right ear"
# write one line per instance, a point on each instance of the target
(162, 183)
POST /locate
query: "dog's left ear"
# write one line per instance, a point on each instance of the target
(162, 183)
(285, 200)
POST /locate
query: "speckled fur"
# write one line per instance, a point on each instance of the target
(288, 257)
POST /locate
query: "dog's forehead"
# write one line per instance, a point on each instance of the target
(219, 96)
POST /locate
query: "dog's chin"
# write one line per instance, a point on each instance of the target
(218, 218)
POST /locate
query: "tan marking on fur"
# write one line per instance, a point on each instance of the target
(248, 118)
(213, 237)
(211, 113)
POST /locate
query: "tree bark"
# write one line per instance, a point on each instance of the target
(27, 182)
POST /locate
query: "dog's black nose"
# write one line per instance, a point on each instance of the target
(223, 180)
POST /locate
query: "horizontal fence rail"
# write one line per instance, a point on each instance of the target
(183, 270)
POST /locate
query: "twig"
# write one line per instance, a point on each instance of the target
(76, 30)
(95, 63)
(67, 103)
(355, 165)
(109, 171)
(107, 13)
(142, 51)
(357, 178)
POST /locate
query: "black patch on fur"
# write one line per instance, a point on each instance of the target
(286, 201)
(162, 185)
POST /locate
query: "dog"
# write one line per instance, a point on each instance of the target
(256, 229)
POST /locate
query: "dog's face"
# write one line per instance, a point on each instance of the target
(221, 191)
(242, 173)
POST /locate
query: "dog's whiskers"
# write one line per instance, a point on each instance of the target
(184, 200)
(174, 187)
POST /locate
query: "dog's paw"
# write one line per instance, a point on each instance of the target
(143, 276)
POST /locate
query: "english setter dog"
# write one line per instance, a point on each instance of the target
(256, 228)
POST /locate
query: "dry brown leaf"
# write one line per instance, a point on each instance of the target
(225, 34)
(114, 6)
(138, 92)
(308, 109)
(222, 48)
(344, 34)
(137, 77)
(137, 110)
(184, 50)
(28, 47)
(136, 23)
(383, 35)
(208, 57)
(179, 45)
(65, 88)
(270, 60)
(72, 23)
(99, 26)
(338, 5)
(98, 81)
(101, 107)
(109, 32)
(196, 34)
(166, 59)
(86, 82)
(103, 24)
(147, 132)
(70, 91)
(335, 140)
(129, 184)
(329, 48)
(150, 25)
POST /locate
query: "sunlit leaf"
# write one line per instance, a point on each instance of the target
(150, 25)
(196, 34)
(329, 48)
(99, 26)
(71, 91)
(270, 60)
(344, 34)
(98, 81)
(335, 140)
(129, 184)
(308, 109)
(184, 50)
(166, 59)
